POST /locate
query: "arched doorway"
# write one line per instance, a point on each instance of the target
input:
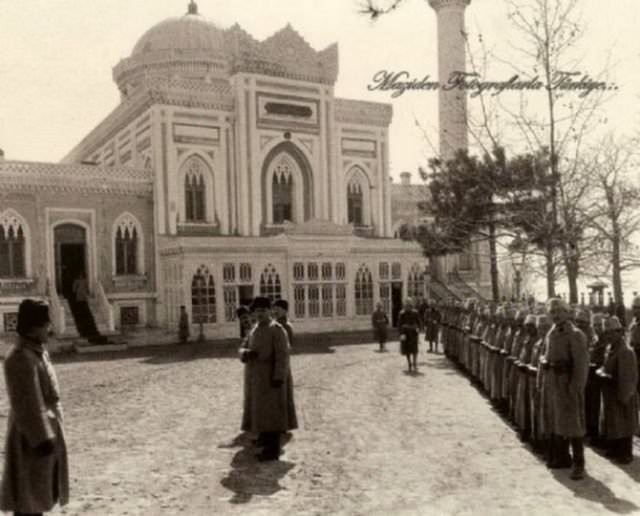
(70, 243)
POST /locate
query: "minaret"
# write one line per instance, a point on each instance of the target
(452, 104)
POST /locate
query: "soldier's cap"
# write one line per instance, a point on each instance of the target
(510, 314)
(32, 314)
(530, 319)
(612, 324)
(242, 310)
(583, 315)
(543, 321)
(636, 302)
(556, 302)
(282, 303)
(260, 302)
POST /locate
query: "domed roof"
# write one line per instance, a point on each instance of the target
(189, 32)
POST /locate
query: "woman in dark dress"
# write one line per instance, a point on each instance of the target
(409, 325)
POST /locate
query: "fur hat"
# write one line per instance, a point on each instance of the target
(32, 314)
(556, 302)
(612, 324)
(242, 310)
(583, 315)
(282, 303)
(260, 302)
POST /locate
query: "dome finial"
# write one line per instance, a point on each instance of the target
(193, 8)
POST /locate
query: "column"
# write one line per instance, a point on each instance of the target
(452, 108)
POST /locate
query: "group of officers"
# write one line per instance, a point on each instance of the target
(557, 372)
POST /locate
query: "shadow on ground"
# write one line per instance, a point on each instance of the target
(595, 491)
(248, 477)
(167, 354)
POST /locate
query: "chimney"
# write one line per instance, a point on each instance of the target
(405, 178)
(391, 179)
(1, 155)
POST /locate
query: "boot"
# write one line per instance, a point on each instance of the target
(577, 450)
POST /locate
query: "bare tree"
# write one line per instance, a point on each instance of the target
(613, 211)
(552, 31)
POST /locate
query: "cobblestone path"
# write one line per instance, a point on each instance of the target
(156, 432)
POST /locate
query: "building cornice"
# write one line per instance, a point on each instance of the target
(90, 179)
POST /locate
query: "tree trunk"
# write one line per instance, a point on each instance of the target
(573, 267)
(616, 278)
(551, 282)
(493, 257)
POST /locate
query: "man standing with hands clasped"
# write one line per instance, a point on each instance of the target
(267, 357)
(567, 362)
(36, 475)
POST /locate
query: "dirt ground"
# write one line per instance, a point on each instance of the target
(156, 432)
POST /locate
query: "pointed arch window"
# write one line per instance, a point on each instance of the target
(364, 291)
(12, 249)
(195, 191)
(355, 203)
(270, 285)
(282, 193)
(128, 251)
(203, 296)
(415, 282)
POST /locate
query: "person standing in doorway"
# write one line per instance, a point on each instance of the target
(80, 289)
(36, 475)
(380, 323)
(409, 325)
(183, 329)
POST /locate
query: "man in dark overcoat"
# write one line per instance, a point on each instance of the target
(267, 356)
(36, 475)
(281, 315)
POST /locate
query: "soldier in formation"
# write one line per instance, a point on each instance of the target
(558, 373)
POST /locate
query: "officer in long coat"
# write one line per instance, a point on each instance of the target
(567, 360)
(281, 315)
(267, 355)
(380, 325)
(36, 473)
(431, 318)
(409, 325)
(620, 399)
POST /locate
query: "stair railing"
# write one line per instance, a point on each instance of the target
(104, 306)
(57, 310)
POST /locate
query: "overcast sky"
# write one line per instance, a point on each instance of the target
(57, 57)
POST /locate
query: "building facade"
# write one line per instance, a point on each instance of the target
(229, 169)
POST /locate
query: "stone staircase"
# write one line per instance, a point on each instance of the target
(70, 330)
(461, 288)
(441, 293)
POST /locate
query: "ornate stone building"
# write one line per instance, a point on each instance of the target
(229, 169)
